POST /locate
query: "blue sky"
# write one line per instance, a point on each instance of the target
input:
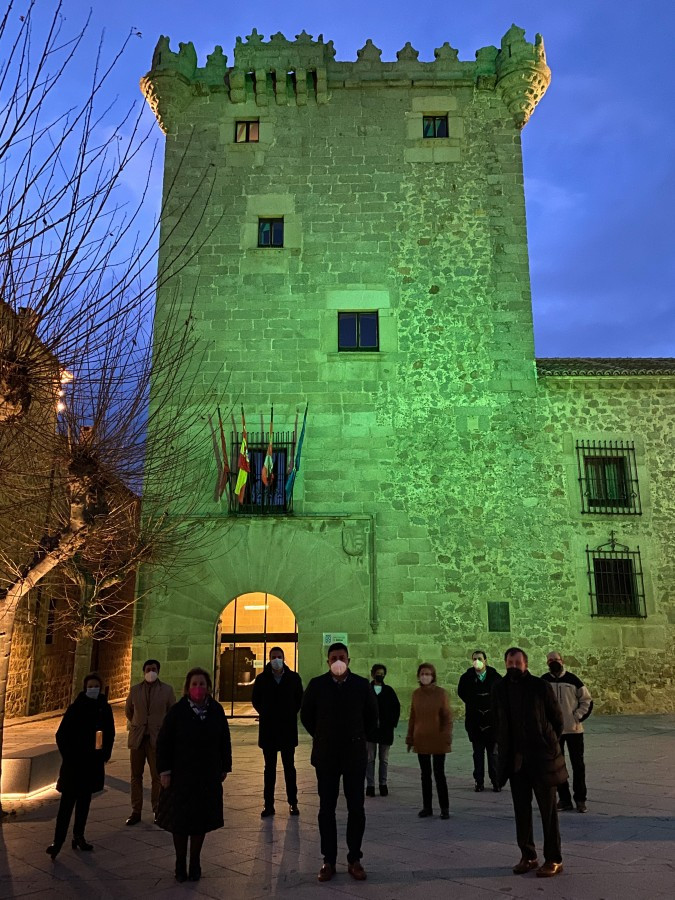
(599, 151)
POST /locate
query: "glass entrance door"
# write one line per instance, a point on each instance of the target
(248, 629)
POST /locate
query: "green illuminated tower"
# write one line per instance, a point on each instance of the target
(364, 249)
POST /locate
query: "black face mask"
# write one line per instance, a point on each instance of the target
(555, 667)
(378, 678)
(514, 674)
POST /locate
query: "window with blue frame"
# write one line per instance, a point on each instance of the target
(358, 331)
(271, 232)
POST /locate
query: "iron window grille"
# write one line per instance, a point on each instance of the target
(260, 499)
(271, 232)
(358, 331)
(247, 132)
(615, 582)
(435, 126)
(499, 615)
(608, 477)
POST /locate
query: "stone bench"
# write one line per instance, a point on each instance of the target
(30, 770)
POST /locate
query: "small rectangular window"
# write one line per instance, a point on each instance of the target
(499, 616)
(270, 232)
(435, 126)
(247, 132)
(358, 331)
(51, 618)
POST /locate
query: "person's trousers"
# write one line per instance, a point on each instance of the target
(328, 784)
(270, 776)
(575, 746)
(522, 788)
(138, 757)
(439, 776)
(481, 747)
(381, 751)
(80, 801)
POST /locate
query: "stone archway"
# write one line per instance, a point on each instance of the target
(249, 626)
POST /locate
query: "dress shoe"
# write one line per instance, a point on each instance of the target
(384, 790)
(445, 814)
(267, 811)
(195, 872)
(133, 819)
(525, 865)
(79, 843)
(326, 872)
(53, 850)
(293, 809)
(181, 871)
(581, 807)
(495, 788)
(549, 869)
(370, 792)
(425, 813)
(357, 871)
(478, 787)
(564, 805)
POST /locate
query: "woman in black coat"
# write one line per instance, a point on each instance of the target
(193, 759)
(85, 740)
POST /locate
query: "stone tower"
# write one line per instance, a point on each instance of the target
(363, 248)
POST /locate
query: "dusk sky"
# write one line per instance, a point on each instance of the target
(598, 152)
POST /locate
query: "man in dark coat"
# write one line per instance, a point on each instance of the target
(388, 712)
(529, 723)
(475, 690)
(340, 712)
(277, 695)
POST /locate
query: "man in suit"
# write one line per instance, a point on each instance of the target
(529, 723)
(339, 710)
(277, 695)
(147, 704)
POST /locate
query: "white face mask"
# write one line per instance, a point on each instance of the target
(339, 667)
(426, 679)
(277, 664)
(151, 676)
(478, 665)
(93, 692)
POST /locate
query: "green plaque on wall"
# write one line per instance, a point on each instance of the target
(335, 637)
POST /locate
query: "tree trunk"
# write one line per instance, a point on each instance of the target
(82, 664)
(7, 619)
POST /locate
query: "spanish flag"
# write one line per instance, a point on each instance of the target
(244, 464)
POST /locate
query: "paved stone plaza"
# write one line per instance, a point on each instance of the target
(623, 848)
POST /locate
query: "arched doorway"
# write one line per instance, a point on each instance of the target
(248, 628)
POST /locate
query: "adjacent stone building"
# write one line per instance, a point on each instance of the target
(359, 245)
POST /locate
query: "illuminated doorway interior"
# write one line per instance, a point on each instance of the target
(247, 630)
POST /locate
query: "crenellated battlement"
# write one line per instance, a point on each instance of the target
(305, 71)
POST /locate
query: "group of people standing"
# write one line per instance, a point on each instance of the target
(519, 723)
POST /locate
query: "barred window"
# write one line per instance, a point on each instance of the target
(608, 477)
(499, 615)
(616, 585)
(260, 499)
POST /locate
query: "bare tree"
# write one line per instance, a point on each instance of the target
(80, 434)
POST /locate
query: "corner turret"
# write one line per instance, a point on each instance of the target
(522, 74)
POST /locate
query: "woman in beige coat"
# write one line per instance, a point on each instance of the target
(430, 736)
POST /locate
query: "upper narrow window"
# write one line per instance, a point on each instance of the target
(608, 477)
(247, 132)
(271, 232)
(358, 331)
(435, 126)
